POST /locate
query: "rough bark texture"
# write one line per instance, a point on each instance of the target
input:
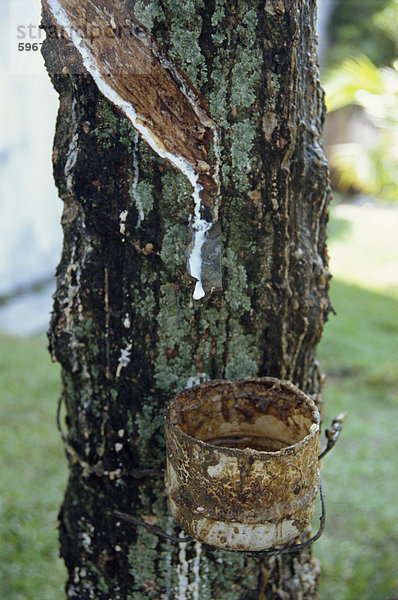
(125, 328)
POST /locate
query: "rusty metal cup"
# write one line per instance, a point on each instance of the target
(242, 462)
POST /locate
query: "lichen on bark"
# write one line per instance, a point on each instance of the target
(122, 283)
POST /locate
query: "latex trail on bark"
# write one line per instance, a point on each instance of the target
(133, 72)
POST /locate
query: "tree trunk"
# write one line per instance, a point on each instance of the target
(125, 327)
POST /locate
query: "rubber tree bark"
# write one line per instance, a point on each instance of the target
(125, 327)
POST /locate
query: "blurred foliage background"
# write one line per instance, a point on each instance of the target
(359, 350)
(366, 27)
(361, 83)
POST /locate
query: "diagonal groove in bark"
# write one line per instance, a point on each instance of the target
(130, 68)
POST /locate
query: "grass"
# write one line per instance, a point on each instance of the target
(32, 473)
(359, 354)
(364, 249)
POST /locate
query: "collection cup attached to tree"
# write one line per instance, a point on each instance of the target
(242, 462)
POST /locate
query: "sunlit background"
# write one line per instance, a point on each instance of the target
(358, 53)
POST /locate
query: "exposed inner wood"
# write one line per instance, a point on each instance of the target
(130, 61)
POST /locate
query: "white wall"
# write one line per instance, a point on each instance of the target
(30, 232)
(29, 205)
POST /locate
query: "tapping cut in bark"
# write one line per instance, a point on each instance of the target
(140, 79)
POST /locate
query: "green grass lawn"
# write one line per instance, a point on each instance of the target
(359, 353)
(32, 473)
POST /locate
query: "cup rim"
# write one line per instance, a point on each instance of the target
(239, 452)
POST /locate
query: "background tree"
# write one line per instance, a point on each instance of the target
(125, 327)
